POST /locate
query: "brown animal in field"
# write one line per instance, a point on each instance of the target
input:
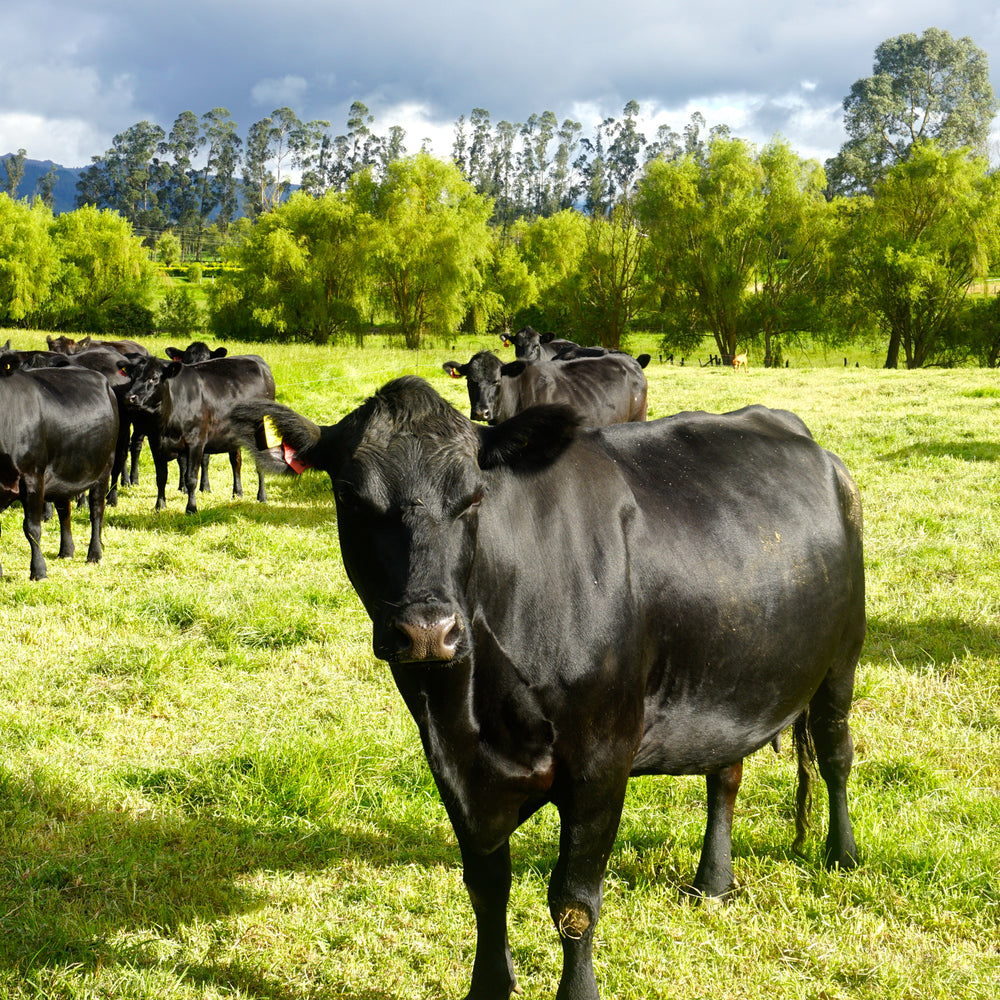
(739, 360)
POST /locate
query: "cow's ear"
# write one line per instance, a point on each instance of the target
(454, 369)
(530, 440)
(174, 354)
(546, 338)
(283, 440)
(220, 352)
(172, 370)
(513, 368)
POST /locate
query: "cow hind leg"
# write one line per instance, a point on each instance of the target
(33, 504)
(94, 551)
(487, 879)
(66, 544)
(715, 878)
(829, 739)
(236, 461)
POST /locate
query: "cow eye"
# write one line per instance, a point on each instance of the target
(470, 503)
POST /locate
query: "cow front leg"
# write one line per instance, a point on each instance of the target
(715, 878)
(487, 879)
(589, 822)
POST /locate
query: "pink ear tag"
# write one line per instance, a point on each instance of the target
(292, 460)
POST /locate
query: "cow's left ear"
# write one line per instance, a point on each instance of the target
(173, 369)
(530, 440)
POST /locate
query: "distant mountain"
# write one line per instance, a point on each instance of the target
(65, 186)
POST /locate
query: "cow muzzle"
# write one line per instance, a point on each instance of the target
(427, 633)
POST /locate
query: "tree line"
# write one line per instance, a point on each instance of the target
(693, 234)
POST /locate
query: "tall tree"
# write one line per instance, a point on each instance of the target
(218, 185)
(28, 263)
(428, 238)
(182, 143)
(934, 87)
(703, 215)
(610, 280)
(13, 167)
(914, 247)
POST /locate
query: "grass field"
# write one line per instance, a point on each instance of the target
(209, 787)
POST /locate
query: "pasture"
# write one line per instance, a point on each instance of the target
(210, 788)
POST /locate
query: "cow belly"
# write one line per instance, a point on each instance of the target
(697, 742)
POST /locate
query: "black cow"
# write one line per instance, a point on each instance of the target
(196, 352)
(58, 428)
(65, 345)
(530, 345)
(604, 390)
(185, 411)
(563, 608)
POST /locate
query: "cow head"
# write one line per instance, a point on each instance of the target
(146, 374)
(195, 353)
(411, 476)
(527, 343)
(483, 376)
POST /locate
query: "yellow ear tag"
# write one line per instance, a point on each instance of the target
(272, 436)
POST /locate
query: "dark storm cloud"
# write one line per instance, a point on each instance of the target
(73, 75)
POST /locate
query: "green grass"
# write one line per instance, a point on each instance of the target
(209, 787)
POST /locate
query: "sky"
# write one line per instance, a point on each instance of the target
(73, 75)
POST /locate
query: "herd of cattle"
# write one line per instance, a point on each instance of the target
(567, 595)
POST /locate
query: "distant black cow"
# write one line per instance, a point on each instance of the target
(66, 345)
(604, 390)
(195, 353)
(186, 414)
(530, 345)
(58, 428)
(562, 609)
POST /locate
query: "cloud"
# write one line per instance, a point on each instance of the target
(289, 91)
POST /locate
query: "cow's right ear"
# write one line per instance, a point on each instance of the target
(174, 354)
(220, 352)
(513, 368)
(172, 370)
(532, 439)
(454, 369)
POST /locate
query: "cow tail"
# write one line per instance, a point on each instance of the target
(805, 752)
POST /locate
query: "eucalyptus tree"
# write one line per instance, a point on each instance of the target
(129, 178)
(13, 167)
(183, 142)
(218, 186)
(934, 87)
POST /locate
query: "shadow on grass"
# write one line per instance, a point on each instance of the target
(73, 877)
(968, 451)
(933, 640)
